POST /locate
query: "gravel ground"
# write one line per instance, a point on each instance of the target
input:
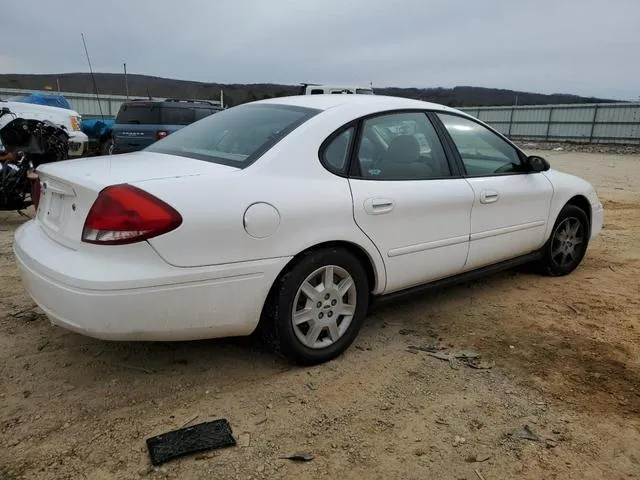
(565, 357)
(609, 148)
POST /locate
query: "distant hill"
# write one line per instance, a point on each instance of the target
(143, 85)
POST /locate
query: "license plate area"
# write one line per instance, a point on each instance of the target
(55, 201)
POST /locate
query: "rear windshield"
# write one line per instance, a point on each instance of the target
(139, 114)
(237, 136)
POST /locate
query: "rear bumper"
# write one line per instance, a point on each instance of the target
(102, 296)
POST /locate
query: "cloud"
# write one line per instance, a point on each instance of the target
(576, 46)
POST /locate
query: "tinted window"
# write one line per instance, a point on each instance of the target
(177, 115)
(204, 112)
(139, 113)
(364, 91)
(337, 151)
(401, 146)
(317, 91)
(482, 151)
(237, 136)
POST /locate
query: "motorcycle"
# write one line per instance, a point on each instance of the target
(26, 144)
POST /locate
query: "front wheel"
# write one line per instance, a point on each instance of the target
(316, 309)
(568, 243)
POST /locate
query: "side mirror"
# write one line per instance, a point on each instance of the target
(537, 164)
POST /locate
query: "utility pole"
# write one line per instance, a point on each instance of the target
(126, 82)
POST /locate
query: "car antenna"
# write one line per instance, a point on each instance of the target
(149, 94)
(95, 85)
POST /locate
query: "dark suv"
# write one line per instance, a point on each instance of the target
(139, 123)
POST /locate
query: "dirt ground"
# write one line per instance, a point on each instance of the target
(567, 365)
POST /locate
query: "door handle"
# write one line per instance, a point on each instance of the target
(489, 196)
(377, 206)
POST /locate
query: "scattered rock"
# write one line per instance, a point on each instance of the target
(550, 443)
(244, 440)
(457, 441)
(143, 472)
(260, 468)
(299, 457)
(524, 433)
(478, 458)
(419, 452)
(406, 331)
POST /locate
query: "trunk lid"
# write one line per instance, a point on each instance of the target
(69, 188)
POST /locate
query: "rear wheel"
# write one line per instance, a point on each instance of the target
(568, 243)
(315, 310)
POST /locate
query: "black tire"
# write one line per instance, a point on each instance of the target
(551, 263)
(276, 326)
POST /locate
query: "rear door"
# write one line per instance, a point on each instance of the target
(409, 199)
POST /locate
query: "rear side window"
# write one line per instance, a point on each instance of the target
(204, 112)
(177, 115)
(237, 136)
(139, 114)
(336, 153)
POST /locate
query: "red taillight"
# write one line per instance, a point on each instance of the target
(160, 134)
(125, 214)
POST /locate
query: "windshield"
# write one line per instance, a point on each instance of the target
(235, 137)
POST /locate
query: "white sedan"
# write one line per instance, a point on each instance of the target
(287, 217)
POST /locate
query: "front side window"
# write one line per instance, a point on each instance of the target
(482, 151)
(401, 146)
(237, 136)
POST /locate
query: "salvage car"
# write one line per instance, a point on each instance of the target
(287, 217)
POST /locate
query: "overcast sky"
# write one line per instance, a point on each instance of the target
(585, 47)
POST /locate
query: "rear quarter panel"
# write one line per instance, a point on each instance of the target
(314, 207)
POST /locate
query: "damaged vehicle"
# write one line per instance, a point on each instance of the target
(25, 144)
(41, 107)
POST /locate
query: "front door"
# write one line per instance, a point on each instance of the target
(408, 201)
(511, 204)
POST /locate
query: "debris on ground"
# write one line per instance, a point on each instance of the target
(524, 433)
(478, 458)
(299, 457)
(466, 357)
(194, 439)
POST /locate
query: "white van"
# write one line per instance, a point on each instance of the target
(318, 89)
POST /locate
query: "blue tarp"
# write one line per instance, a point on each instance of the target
(47, 99)
(96, 128)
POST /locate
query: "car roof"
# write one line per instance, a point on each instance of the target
(376, 102)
